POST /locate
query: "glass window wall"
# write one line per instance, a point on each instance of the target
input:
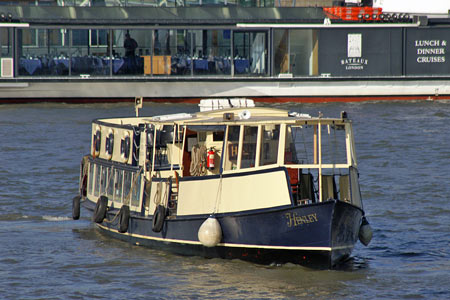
(295, 52)
(6, 42)
(88, 55)
(281, 51)
(303, 52)
(128, 49)
(250, 53)
(43, 52)
(140, 52)
(211, 52)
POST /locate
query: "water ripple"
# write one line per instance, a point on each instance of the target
(404, 157)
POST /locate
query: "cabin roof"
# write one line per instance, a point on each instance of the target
(244, 115)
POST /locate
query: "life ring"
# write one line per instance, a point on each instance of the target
(76, 207)
(100, 209)
(124, 218)
(109, 144)
(125, 144)
(158, 218)
(96, 142)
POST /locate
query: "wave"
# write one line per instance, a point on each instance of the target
(56, 219)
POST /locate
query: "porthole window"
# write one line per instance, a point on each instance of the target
(96, 142)
(125, 147)
(109, 145)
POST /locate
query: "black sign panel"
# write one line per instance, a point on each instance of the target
(427, 51)
(360, 52)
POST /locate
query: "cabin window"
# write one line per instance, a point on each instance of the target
(110, 183)
(91, 178)
(233, 147)
(118, 186)
(103, 180)
(249, 146)
(354, 188)
(302, 144)
(135, 192)
(299, 146)
(333, 144)
(292, 137)
(126, 185)
(269, 144)
(218, 136)
(98, 175)
(163, 137)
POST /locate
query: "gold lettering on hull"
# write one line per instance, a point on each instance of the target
(295, 220)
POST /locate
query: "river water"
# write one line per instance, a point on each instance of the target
(404, 163)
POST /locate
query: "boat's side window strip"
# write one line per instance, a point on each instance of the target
(116, 184)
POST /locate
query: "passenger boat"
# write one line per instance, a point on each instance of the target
(231, 181)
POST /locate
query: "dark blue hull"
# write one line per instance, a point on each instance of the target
(321, 234)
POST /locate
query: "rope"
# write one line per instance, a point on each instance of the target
(157, 198)
(219, 195)
(115, 217)
(198, 161)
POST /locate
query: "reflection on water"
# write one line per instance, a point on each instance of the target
(404, 162)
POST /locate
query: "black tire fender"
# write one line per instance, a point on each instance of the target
(76, 207)
(100, 209)
(124, 218)
(158, 218)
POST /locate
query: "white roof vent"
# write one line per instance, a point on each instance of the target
(215, 104)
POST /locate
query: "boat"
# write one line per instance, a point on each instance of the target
(233, 181)
(276, 51)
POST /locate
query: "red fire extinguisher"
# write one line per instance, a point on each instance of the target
(210, 159)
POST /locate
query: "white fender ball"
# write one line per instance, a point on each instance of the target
(365, 232)
(210, 232)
